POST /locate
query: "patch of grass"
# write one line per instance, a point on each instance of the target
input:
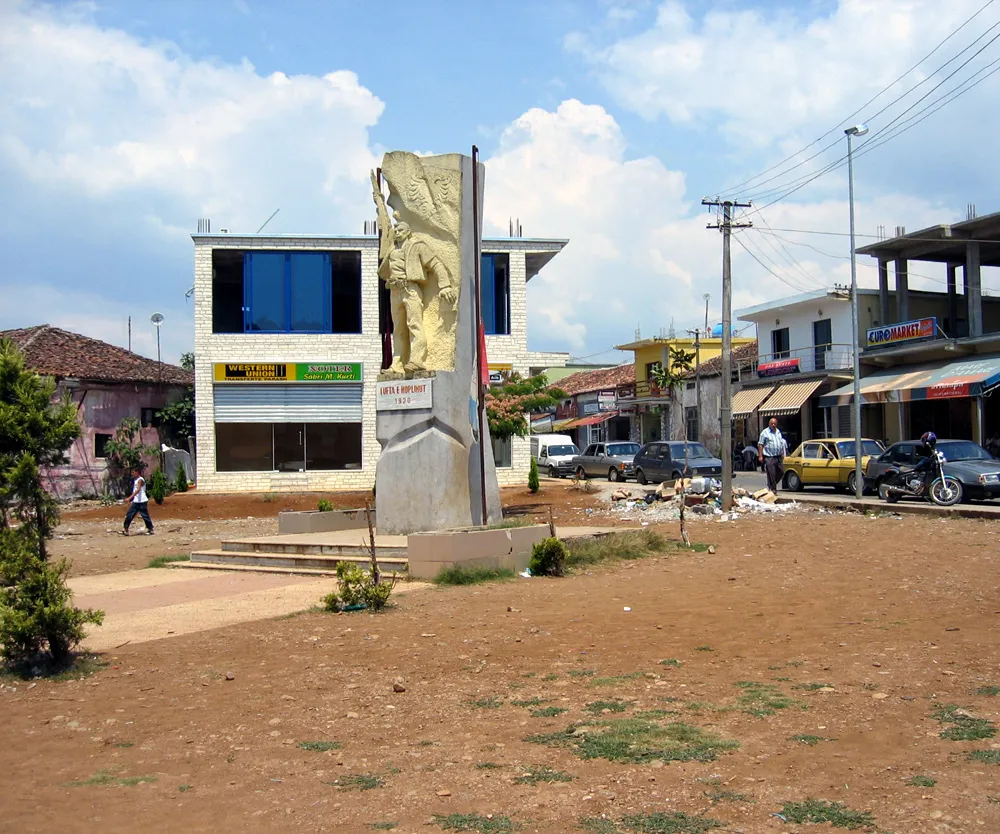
(597, 825)
(163, 561)
(551, 676)
(671, 661)
(639, 544)
(185, 788)
(985, 756)
(921, 781)
(614, 680)
(319, 746)
(637, 740)
(671, 823)
(812, 741)
(529, 674)
(547, 712)
(426, 742)
(704, 649)
(795, 663)
(493, 824)
(487, 766)
(988, 691)
(383, 826)
(655, 714)
(472, 575)
(509, 523)
(486, 703)
(762, 699)
(124, 745)
(268, 498)
(534, 775)
(582, 673)
(597, 707)
(530, 702)
(105, 777)
(835, 813)
(82, 665)
(361, 781)
(717, 795)
(782, 679)
(810, 687)
(964, 727)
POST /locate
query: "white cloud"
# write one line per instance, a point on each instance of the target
(102, 112)
(762, 71)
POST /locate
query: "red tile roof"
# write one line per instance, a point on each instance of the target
(59, 353)
(742, 357)
(585, 381)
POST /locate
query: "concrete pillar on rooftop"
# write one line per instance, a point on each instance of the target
(883, 292)
(973, 289)
(952, 329)
(902, 290)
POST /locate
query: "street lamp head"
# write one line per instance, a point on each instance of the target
(857, 130)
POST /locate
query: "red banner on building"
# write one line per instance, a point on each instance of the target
(778, 367)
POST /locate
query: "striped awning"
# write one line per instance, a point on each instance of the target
(593, 420)
(789, 398)
(746, 400)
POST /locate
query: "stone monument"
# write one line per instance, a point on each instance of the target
(429, 475)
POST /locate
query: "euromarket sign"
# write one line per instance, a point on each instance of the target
(903, 332)
(287, 372)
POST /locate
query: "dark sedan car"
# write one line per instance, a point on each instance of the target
(664, 460)
(976, 469)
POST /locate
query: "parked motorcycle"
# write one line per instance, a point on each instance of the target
(931, 484)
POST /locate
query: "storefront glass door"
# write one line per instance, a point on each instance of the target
(289, 447)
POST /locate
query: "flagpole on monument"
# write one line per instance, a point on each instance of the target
(480, 332)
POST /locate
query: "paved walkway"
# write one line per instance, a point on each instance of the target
(151, 604)
(906, 505)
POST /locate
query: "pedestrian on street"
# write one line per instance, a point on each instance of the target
(138, 503)
(771, 449)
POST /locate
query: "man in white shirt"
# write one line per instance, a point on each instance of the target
(771, 448)
(138, 503)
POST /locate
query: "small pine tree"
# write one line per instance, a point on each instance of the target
(533, 476)
(157, 486)
(182, 480)
(548, 558)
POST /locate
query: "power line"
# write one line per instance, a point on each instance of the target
(870, 101)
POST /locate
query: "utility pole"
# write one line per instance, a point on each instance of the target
(707, 297)
(697, 382)
(726, 225)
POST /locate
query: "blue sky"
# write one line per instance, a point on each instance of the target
(604, 122)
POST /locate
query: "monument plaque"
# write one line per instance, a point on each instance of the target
(409, 393)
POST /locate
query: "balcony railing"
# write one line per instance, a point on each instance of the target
(806, 360)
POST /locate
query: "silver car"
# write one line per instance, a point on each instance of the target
(611, 460)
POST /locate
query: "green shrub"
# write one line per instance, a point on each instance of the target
(548, 558)
(157, 486)
(324, 506)
(39, 627)
(358, 587)
(182, 480)
(533, 476)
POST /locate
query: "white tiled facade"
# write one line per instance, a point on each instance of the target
(211, 348)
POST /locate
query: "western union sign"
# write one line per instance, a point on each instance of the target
(287, 372)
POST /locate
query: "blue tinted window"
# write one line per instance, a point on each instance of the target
(266, 271)
(310, 291)
(487, 292)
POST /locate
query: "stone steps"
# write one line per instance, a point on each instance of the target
(290, 560)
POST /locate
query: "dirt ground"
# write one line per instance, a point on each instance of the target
(822, 644)
(89, 534)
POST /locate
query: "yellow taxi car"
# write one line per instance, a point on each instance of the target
(827, 462)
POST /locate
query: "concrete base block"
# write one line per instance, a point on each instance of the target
(314, 521)
(428, 553)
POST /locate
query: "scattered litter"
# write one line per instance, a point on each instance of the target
(627, 609)
(526, 573)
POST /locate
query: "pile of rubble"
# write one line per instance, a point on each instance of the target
(702, 497)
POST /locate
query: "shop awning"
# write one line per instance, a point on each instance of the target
(593, 420)
(789, 398)
(746, 400)
(969, 377)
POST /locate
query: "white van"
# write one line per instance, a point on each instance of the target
(554, 453)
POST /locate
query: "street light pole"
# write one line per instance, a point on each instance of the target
(859, 480)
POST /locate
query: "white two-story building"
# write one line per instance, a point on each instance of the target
(289, 340)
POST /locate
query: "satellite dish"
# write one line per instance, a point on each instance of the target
(156, 319)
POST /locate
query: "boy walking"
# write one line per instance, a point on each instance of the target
(138, 503)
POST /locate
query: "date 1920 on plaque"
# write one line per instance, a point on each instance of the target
(404, 394)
